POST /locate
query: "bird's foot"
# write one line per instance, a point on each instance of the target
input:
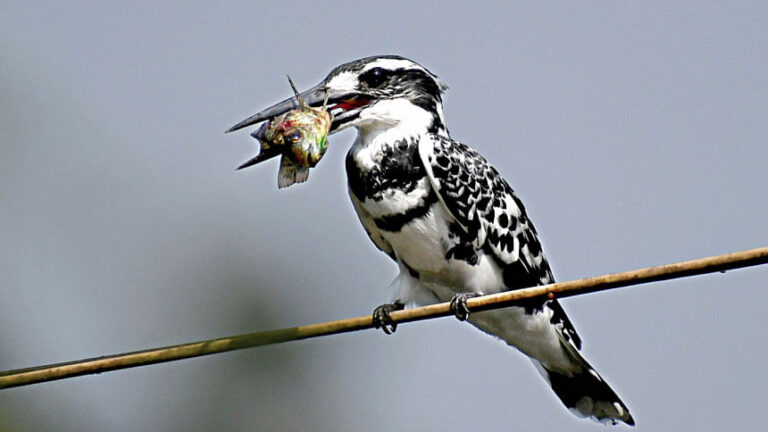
(381, 318)
(459, 304)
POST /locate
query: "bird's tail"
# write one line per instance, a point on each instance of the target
(585, 393)
(555, 353)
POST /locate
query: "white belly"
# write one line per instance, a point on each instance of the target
(422, 245)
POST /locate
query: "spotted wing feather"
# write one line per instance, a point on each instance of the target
(491, 215)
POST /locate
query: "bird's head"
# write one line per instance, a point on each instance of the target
(371, 93)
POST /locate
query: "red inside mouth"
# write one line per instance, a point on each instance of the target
(351, 104)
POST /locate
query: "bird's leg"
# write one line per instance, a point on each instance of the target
(381, 318)
(459, 304)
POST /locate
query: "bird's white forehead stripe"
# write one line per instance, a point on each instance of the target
(343, 81)
(391, 64)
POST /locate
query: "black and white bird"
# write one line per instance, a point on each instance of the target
(448, 218)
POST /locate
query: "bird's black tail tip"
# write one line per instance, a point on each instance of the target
(586, 394)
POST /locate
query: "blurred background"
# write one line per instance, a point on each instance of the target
(635, 133)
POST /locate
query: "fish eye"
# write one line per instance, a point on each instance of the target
(294, 137)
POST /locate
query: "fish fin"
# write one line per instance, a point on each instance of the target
(291, 173)
(301, 100)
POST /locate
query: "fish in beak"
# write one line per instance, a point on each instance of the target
(344, 105)
(299, 135)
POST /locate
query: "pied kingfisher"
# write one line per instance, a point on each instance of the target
(450, 221)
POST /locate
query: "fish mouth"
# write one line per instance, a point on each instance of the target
(344, 106)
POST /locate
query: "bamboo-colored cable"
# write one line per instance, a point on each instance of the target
(21, 377)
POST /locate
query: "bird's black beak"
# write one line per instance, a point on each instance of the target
(343, 105)
(313, 96)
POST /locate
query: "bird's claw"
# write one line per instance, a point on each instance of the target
(459, 304)
(381, 318)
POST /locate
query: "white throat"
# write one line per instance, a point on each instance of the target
(395, 112)
(388, 123)
(394, 120)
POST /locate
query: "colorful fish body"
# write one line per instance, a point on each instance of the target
(300, 136)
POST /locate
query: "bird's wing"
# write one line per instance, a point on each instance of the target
(491, 215)
(484, 205)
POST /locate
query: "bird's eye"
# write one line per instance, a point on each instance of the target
(374, 77)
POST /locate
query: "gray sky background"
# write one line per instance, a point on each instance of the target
(635, 132)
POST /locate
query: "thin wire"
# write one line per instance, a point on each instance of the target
(721, 263)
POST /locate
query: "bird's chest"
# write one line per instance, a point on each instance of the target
(395, 201)
(377, 171)
(401, 212)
